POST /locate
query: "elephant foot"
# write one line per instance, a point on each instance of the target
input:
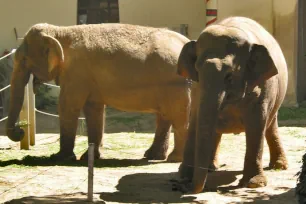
(280, 163)
(186, 171)
(175, 156)
(63, 156)
(154, 154)
(97, 155)
(214, 166)
(254, 182)
(183, 185)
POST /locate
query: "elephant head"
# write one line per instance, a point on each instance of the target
(39, 54)
(225, 69)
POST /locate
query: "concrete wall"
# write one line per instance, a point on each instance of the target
(165, 13)
(23, 14)
(258, 10)
(285, 32)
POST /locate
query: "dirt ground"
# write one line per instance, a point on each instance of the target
(122, 176)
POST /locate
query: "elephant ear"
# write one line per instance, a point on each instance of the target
(187, 60)
(54, 51)
(260, 66)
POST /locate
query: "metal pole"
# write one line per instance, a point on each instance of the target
(32, 120)
(24, 115)
(91, 155)
(211, 11)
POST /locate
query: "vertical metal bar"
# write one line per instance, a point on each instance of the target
(90, 171)
(32, 119)
(24, 115)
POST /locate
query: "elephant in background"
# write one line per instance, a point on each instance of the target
(240, 81)
(300, 188)
(128, 67)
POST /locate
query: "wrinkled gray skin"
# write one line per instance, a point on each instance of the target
(131, 68)
(240, 81)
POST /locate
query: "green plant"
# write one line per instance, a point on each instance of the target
(22, 123)
(43, 99)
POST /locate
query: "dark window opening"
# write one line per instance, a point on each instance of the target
(98, 11)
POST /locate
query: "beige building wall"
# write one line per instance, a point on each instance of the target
(258, 10)
(285, 32)
(22, 14)
(165, 13)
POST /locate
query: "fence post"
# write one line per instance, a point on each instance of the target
(24, 115)
(91, 159)
(32, 118)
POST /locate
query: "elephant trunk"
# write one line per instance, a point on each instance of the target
(210, 100)
(20, 78)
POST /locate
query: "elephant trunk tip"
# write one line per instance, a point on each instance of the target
(15, 134)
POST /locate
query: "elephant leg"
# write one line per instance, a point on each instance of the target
(68, 127)
(70, 104)
(95, 118)
(215, 154)
(277, 155)
(180, 128)
(255, 129)
(159, 147)
(187, 166)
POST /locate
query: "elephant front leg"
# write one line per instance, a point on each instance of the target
(255, 128)
(70, 104)
(95, 118)
(159, 148)
(68, 127)
(187, 166)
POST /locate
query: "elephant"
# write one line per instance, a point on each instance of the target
(128, 67)
(300, 188)
(240, 78)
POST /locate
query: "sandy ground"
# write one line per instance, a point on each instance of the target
(134, 180)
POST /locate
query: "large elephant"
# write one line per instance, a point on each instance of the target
(129, 67)
(240, 81)
(300, 188)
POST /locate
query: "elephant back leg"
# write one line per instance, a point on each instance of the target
(187, 166)
(180, 120)
(179, 114)
(95, 118)
(215, 154)
(159, 147)
(277, 155)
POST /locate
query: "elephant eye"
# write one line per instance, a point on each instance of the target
(24, 61)
(47, 51)
(228, 96)
(228, 78)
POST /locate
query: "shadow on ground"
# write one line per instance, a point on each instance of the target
(156, 187)
(75, 198)
(145, 188)
(253, 196)
(45, 161)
